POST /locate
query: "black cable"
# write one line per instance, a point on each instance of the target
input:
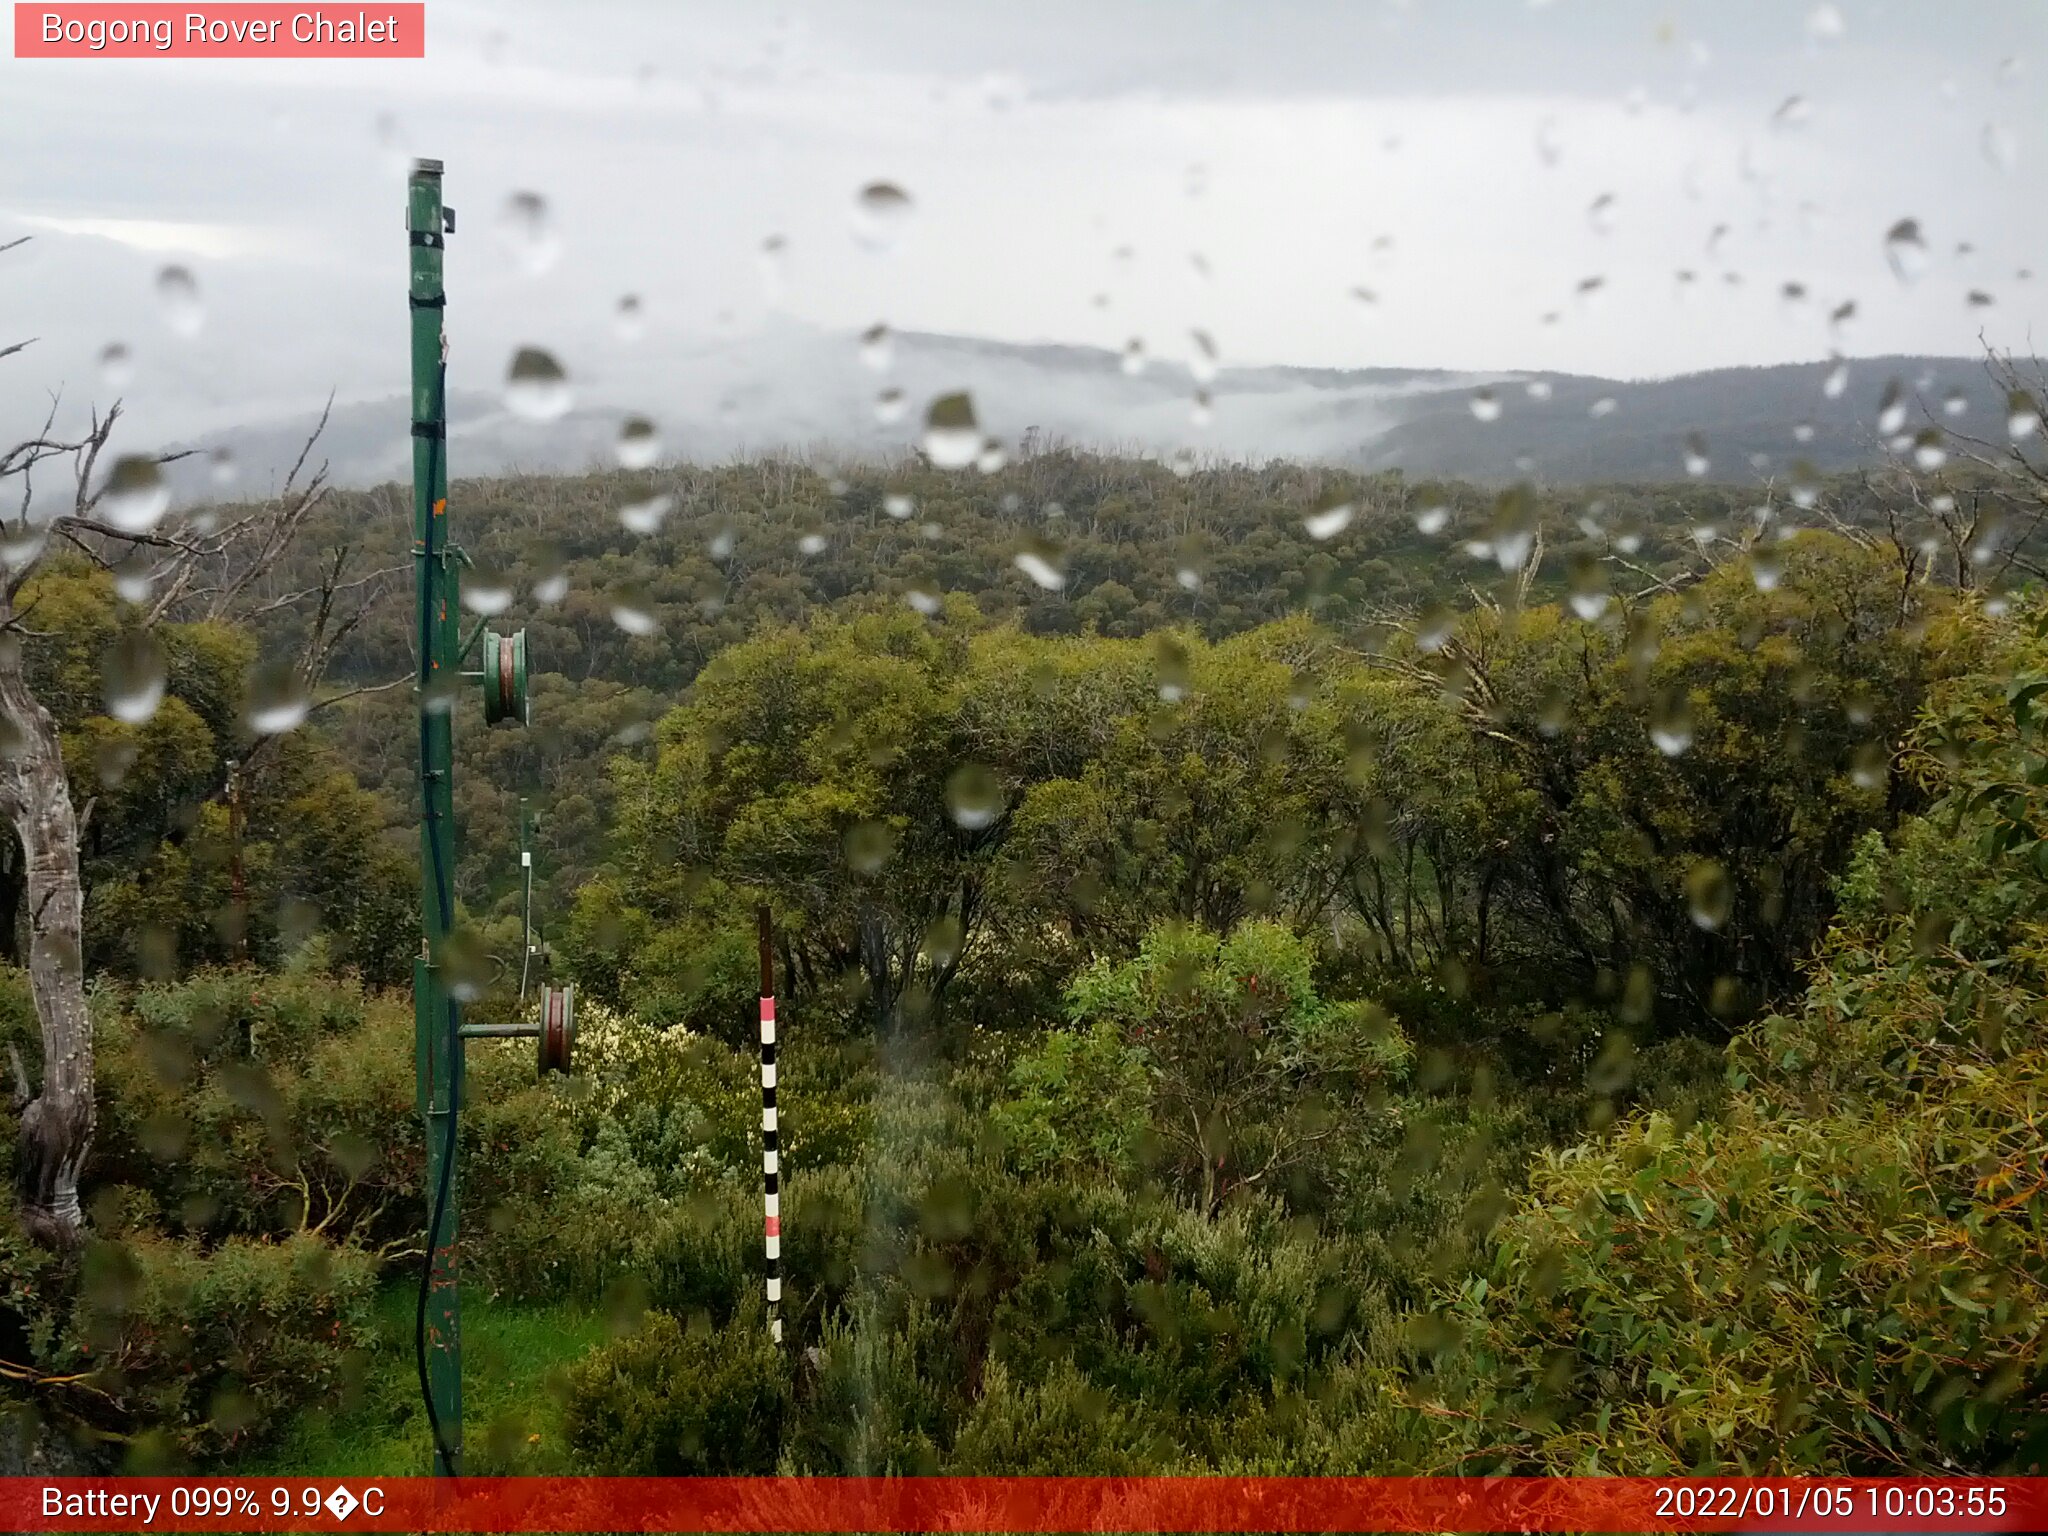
(445, 897)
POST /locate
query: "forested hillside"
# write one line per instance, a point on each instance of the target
(1285, 971)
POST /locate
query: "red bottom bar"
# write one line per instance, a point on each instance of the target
(1032, 1504)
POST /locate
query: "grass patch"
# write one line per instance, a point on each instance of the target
(513, 1354)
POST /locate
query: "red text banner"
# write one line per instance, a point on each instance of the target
(1023, 1504)
(217, 31)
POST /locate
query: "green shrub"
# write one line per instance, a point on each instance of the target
(671, 1400)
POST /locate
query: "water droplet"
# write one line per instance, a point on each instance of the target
(1040, 561)
(177, 290)
(1977, 298)
(134, 673)
(221, 466)
(1928, 452)
(869, 845)
(1433, 627)
(1433, 519)
(1870, 765)
(632, 610)
(898, 505)
(1181, 462)
(536, 388)
(1485, 405)
(952, 437)
(2022, 415)
(1836, 381)
(1511, 533)
(1954, 403)
(639, 444)
(1537, 389)
(1891, 408)
(811, 544)
(1201, 409)
(528, 230)
(1589, 596)
(877, 347)
(720, 545)
(1906, 249)
(646, 516)
(974, 796)
(19, 547)
(1671, 723)
(890, 406)
(1329, 519)
(629, 318)
(1600, 213)
(276, 700)
(1202, 356)
(1802, 432)
(1766, 569)
(117, 366)
(1548, 149)
(486, 590)
(1696, 463)
(2001, 145)
(1793, 112)
(1709, 894)
(769, 260)
(1367, 302)
(1825, 23)
(136, 495)
(925, 600)
(1604, 406)
(881, 209)
(551, 572)
(991, 458)
(1133, 361)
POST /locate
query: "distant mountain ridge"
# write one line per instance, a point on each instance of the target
(792, 387)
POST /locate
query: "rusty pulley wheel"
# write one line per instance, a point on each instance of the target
(504, 678)
(557, 1028)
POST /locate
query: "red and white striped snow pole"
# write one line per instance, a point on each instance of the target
(770, 1153)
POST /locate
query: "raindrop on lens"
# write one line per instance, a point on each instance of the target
(117, 366)
(133, 578)
(1906, 249)
(869, 845)
(1202, 357)
(629, 318)
(1433, 519)
(880, 210)
(221, 467)
(877, 348)
(632, 611)
(952, 437)
(2022, 415)
(1825, 23)
(1696, 462)
(536, 388)
(2001, 145)
(1891, 409)
(1709, 894)
(898, 505)
(136, 495)
(1589, 596)
(639, 445)
(178, 291)
(974, 797)
(1485, 405)
(526, 226)
(276, 699)
(646, 516)
(134, 672)
(1928, 452)
(1836, 381)
(1133, 362)
(1604, 406)
(1954, 403)
(1870, 765)
(1671, 724)
(889, 407)
(1040, 561)
(811, 544)
(486, 591)
(1329, 520)
(924, 600)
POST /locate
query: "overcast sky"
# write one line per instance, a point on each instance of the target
(1079, 170)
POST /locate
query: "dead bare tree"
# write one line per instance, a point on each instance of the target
(197, 566)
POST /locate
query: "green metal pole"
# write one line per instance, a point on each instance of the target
(437, 1043)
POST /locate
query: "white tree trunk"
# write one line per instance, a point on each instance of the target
(57, 1119)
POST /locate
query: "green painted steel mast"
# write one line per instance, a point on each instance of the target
(438, 1044)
